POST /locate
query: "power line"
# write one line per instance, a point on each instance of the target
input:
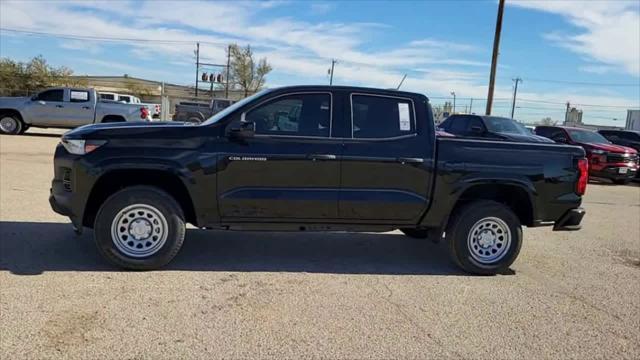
(582, 82)
(107, 38)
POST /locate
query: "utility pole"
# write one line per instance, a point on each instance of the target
(226, 87)
(333, 63)
(454, 101)
(494, 58)
(471, 106)
(197, 65)
(515, 93)
(401, 81)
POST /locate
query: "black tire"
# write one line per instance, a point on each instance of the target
(14, 129)
(621, 181)
(147, 196)
(462, 223)
(416, 233)
(24, 129)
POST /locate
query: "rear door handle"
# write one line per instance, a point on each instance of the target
(59, 106)
(86, 107)
(410, 160)
(315, 157)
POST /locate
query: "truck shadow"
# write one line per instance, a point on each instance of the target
(31, 248)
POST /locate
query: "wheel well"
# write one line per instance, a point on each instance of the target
(11, 112)
(113, 118)
(116, 180)
(514, 197)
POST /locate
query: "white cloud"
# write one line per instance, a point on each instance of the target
(303, 50)
(609, 31)
(321, 8)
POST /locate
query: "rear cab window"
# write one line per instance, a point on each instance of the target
(381, 116)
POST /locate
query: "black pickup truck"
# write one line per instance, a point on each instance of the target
(313, 158)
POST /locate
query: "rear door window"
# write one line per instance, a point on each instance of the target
(78, 96)
(381, 117)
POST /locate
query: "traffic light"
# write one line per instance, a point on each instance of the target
(204, 76)
(219, 78)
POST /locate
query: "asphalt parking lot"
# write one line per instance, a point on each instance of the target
(338, 295)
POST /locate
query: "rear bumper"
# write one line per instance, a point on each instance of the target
(570, 221)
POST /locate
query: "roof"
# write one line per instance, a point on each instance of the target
(390, 92)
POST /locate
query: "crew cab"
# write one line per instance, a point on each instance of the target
(489, 127)
(64, 108)
(313, 158)
(606, 160)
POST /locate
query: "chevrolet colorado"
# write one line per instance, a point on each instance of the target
(313, 158)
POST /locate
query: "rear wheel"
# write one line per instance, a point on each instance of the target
(10, 125)
(484, 237)
(139, 228)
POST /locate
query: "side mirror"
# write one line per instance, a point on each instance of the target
(243, 129)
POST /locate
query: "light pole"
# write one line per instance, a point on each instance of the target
(453, 93)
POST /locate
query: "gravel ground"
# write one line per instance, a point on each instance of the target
(286, 295)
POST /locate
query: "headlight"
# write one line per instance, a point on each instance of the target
(81, 147)
(597, 152)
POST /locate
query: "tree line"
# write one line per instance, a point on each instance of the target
(246, 74)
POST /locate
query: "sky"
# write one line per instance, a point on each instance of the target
(583, 52)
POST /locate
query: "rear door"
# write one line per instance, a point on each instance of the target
(78, 108)
(386, 169)
(290, 169)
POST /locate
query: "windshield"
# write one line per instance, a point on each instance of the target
(505, 125)
(586, 136)
(215, 118)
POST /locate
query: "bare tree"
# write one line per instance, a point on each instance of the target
(547, 121)
(245, 72)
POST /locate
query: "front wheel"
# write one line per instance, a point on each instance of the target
(10, 125)
(139, 228)
(484, 237)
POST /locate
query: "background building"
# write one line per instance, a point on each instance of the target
(633, 120)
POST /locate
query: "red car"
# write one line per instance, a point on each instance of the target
(606, 160)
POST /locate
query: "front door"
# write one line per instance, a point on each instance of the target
(46, 108)
(387, 168)
(289, 169)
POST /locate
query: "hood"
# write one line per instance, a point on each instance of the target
(609, 148)
(525, 138)
(127, 129)
(4, 101)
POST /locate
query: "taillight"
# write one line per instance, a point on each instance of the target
(144, 112)
(583, 169)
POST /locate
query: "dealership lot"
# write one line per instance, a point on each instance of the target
(239, 295)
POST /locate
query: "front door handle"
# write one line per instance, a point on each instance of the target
(410, 160)
(59, 106)
(86, 107)
(315, 157)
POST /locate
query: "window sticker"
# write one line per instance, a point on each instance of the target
(405, 118)
(80, 95)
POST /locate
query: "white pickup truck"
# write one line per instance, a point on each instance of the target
(154, 109)
(64, 108)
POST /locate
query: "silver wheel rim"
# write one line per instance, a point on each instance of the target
(8, 124)
(139, 230)
(489, 240)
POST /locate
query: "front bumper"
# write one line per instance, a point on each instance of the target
(613, 172)
(570, 221)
